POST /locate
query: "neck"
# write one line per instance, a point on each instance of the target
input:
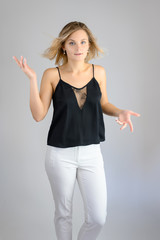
(76, 67)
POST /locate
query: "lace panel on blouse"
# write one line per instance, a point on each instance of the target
(81, 95)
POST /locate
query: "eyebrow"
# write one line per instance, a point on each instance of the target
(73, 40)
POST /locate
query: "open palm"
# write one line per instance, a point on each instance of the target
(25, 68)
(124, 118)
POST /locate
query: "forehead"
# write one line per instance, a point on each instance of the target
(78, 35)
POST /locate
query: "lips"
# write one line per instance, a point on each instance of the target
(78, 53)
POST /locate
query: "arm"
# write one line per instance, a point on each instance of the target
(40, 101)
(110, 109)
(107, 107)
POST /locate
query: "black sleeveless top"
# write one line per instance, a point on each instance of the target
(77, 118)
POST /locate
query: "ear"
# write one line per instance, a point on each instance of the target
(63, 47)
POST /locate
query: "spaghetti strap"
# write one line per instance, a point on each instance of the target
(93, 69)
(59, 72)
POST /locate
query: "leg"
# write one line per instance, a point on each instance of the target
(62, 176)
(92, 182)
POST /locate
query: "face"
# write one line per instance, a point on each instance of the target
(77, 43)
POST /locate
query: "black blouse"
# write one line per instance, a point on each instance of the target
(77, 118)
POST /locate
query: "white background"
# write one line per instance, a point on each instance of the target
(129, 32)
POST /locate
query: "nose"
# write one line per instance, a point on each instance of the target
(78, 47)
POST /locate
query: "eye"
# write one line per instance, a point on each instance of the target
(73, 42)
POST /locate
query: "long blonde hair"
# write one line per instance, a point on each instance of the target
(57, 43)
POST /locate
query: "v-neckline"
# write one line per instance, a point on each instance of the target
(76, 87)
(86, 85)
(77, 101)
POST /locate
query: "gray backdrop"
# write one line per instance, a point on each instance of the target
(129, 33)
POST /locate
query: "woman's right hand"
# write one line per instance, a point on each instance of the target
(25, 68)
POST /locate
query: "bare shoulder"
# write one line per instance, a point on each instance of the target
(50, 71)
(52, 76)
(100, 74)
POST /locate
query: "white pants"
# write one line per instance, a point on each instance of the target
(84, 163)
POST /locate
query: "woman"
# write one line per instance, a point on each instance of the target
(78, 91)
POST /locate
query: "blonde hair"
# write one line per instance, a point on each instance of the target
(57, 43)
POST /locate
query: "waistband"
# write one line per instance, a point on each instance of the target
(89, 146)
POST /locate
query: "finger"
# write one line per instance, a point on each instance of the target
(20, 62)
(134, 113)
(25, 62)
(119, 122)
(124, 125)
(22, 65)
(14, 57)
(131, 126)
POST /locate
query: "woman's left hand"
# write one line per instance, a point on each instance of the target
(124, 118)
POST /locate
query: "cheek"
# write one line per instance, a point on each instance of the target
(86, 46)
(70, 49)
